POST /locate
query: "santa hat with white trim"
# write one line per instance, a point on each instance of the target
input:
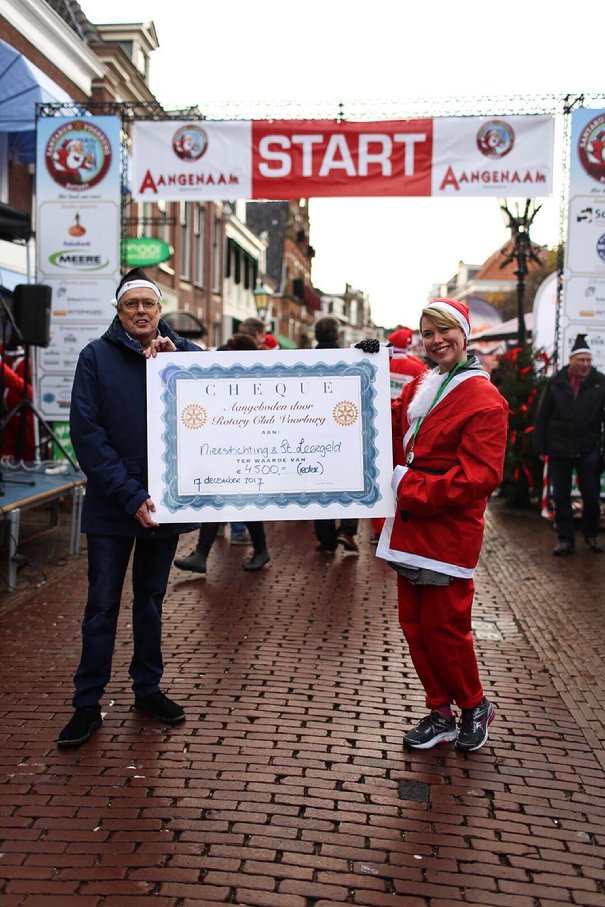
(135, 279)
(580, 345)
(455, 307)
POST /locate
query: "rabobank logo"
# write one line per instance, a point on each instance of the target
(78, 261)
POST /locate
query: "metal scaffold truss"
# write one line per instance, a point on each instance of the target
(404, 108)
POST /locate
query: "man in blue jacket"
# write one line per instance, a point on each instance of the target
(108, 423)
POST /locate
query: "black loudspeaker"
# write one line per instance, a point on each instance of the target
(31, 311)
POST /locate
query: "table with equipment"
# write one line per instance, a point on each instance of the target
(22, 488)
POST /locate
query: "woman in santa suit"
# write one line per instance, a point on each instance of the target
(449, 438)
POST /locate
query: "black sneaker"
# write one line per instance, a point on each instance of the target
(474, 724)
(196, 562)
(431, 730)
(594, 545)
(257, 560)
(348, 543)
(158, 705)
(563, 548)
(80, 728)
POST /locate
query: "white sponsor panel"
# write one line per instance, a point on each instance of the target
(585, 299)
(82, 300)
(79, 239)
(66, 341)
(595, 336)
(55, 396)
(175, 160)
(586, 237)
(494, 156)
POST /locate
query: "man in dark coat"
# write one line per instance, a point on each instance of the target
(108, 423)
(569, 430)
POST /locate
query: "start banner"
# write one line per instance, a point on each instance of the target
(280, 159)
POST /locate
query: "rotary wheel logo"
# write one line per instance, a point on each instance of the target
(78, 155)
(194, 416)
(591, 148)
(495, 139)
(345, 413)
(189, 143)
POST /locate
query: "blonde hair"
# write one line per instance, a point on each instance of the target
(440, 318)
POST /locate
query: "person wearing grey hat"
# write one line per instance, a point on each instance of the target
(569, 432)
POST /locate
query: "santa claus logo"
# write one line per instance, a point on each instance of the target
(495, 139)
(78, 155)
(190, 143)
(591, 148)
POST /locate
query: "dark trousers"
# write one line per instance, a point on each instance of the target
(589, 483)
(108, 558)
(326, 531)
(209, 531)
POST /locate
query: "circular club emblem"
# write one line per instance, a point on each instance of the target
(190, 143)
(78, 155)
(194, 416)
(345, 413)
(601, 247)
(495, 139)
(591, 148)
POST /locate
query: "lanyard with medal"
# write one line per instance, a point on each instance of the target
(409, 458)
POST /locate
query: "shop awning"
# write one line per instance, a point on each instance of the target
(284, 342)
(22, 86)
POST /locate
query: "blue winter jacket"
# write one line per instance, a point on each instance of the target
(108, 424)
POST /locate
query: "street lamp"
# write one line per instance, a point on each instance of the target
(262, 299)
(522, 251)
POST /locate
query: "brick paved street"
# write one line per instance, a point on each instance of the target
(288, 785)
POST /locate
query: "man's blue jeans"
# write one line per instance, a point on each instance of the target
(589, 484)
(108, 558)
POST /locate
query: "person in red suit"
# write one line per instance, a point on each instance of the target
(449, 438)
(12, 383)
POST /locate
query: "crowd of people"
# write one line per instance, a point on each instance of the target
(449, 430)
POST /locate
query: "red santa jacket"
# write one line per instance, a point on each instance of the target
(458, 461)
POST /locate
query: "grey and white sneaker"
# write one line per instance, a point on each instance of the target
(431, 730)
(474, 726)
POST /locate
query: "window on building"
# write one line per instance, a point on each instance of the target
(185, 225)
(216, 256)
(163, 230)
(199, 231)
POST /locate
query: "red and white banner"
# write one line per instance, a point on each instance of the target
(280, 159)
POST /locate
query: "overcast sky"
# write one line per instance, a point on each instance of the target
(379, 57)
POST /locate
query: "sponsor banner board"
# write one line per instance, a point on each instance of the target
(78, 158)
(279, 159)
(587, 161)
(78, 195)
(583, 295)
(299, 434)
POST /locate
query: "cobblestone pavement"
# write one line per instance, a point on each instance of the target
(288, 785)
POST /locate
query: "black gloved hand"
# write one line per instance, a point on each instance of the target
(368, 346)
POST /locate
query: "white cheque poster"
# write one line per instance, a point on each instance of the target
(288, 435)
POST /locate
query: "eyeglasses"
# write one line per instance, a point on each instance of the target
(131, 305)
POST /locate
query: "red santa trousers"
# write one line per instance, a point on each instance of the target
(436, 622)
